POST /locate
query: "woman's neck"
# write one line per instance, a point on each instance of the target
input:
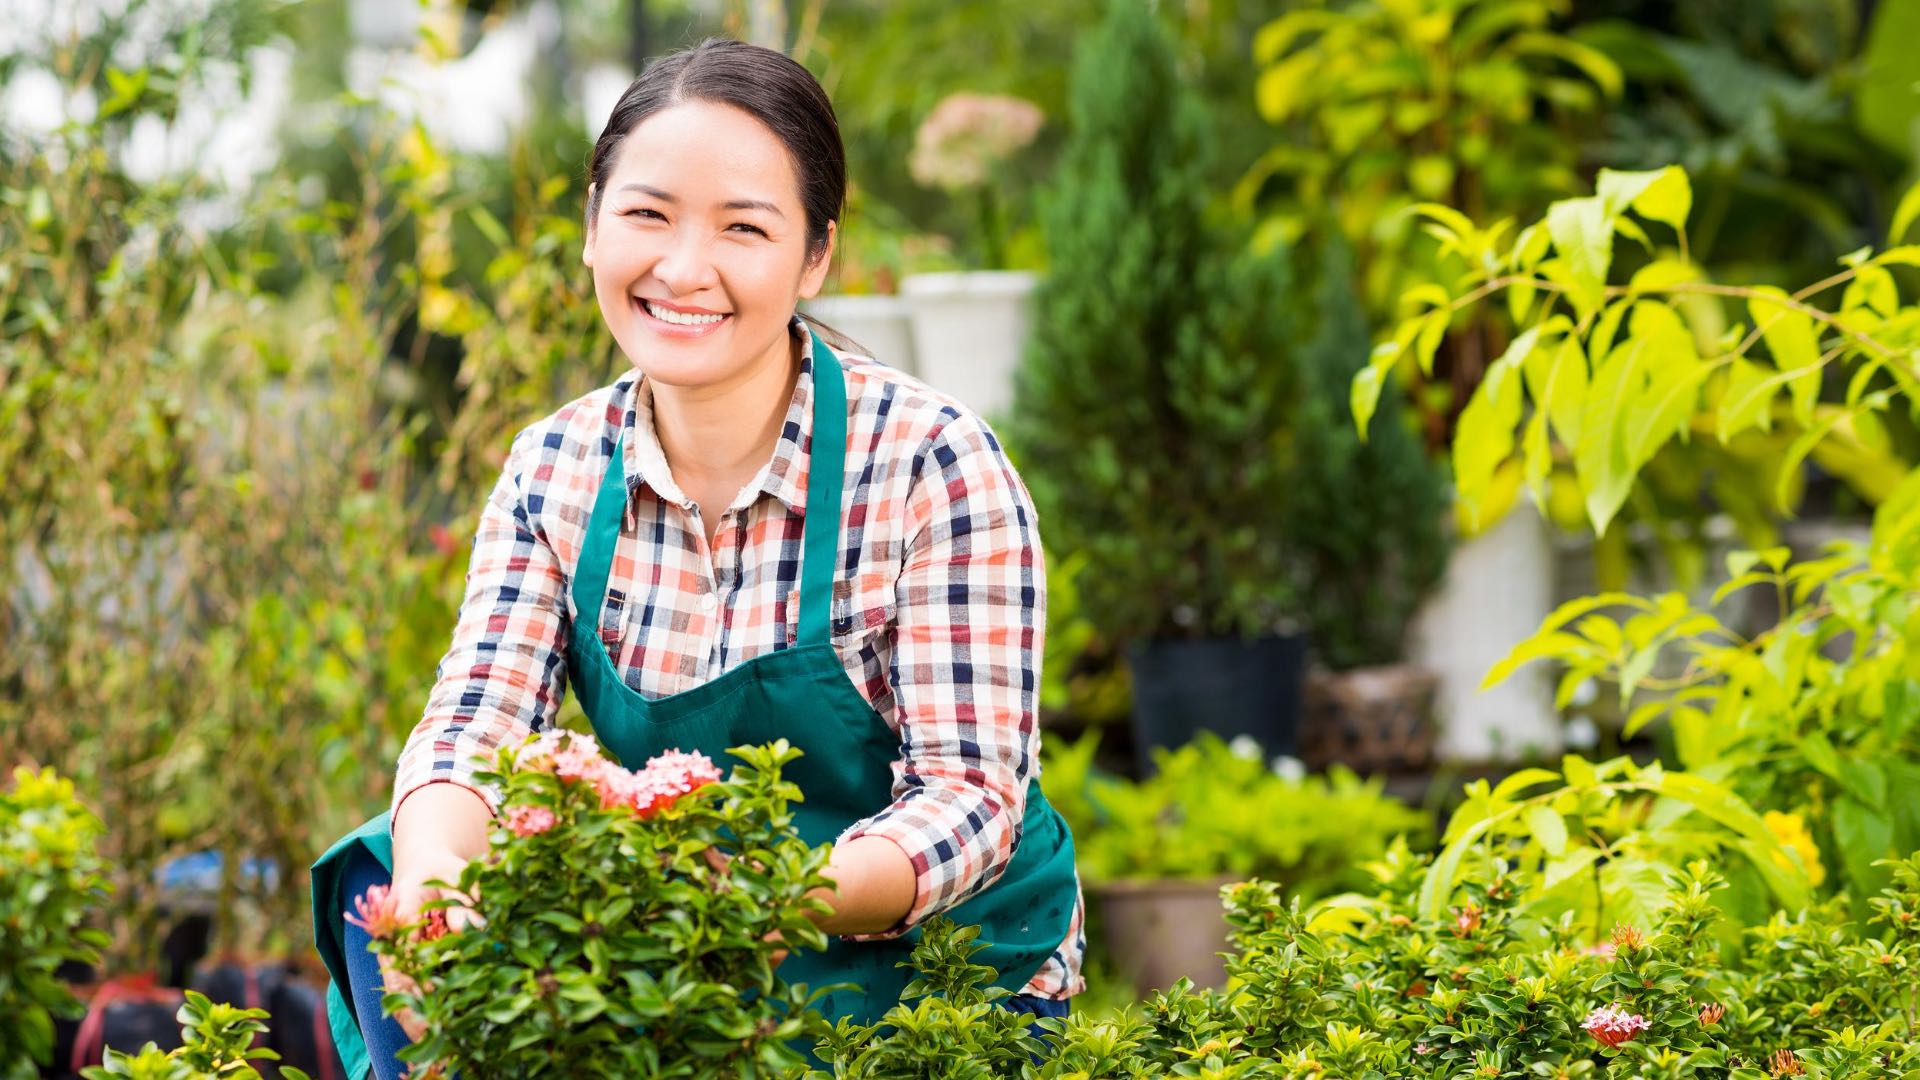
(725, 433)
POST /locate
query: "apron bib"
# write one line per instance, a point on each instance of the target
(802, 694)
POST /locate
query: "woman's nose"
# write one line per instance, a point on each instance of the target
(684, 267)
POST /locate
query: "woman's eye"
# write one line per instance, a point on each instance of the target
(750, 228)
(640, 211)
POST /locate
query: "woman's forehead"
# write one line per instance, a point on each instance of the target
(706, 155)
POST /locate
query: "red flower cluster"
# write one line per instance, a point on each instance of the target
(1611, 1027)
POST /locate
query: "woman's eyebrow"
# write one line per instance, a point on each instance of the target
(736, 204)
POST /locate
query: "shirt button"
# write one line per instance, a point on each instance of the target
(708, 602)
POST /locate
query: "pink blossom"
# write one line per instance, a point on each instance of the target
(1611, 1026)
(378, 912)
(528, 821)
(1605, 950)
(966, 134)
(679, 774)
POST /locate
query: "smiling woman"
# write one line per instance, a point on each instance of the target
(751, 536)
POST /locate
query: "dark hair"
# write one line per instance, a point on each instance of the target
(766, 85)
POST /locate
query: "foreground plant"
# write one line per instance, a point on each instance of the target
(632, 922)
(216, 1044)
(49, 876)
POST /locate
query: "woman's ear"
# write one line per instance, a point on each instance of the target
(816, 274)
(586, 246)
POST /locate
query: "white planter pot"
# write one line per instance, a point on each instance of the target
(1498, 590)
(969, 332)
(881, 325)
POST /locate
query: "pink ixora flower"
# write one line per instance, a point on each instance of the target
(528, 821)
(378, 912)
(1611, 1027)
(656, 786)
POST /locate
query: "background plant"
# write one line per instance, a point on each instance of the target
(1209, 810)
(1365, 561)
(1149, 406)
(1810, 714)
(51, 882)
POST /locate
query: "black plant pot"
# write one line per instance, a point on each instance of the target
(1229, 686)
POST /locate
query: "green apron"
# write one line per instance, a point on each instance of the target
(802, 694)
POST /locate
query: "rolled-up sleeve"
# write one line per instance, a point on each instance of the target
(504, 674)
(969, 624)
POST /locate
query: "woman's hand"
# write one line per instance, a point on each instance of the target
(718, 860)
(437, 830)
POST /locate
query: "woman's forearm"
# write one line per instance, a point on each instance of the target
(874, 886)
(440, 817)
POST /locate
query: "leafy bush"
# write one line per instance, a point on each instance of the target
(1150, 401)
(1211, 810)
(949, 1018)
(1372, 987)
(1815, 715)
(609, 909)
(49, 876)
(217, 1044)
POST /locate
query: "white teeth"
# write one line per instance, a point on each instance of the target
(679, 318)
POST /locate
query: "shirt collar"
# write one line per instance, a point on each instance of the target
(784, 476)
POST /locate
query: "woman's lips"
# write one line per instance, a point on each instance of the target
(676, 330)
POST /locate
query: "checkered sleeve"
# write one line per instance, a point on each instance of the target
(970, 616)
(504, 674)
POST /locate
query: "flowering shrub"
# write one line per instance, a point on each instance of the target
(1365, 987)
(216, 1041)
(48, 874)
(629, 922)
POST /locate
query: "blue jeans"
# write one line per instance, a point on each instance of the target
(383, 1033)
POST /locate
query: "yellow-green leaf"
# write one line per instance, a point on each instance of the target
(1582, 233)
(1549, 828)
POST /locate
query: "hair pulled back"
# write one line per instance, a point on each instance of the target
(765, 84)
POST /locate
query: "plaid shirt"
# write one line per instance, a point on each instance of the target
(938, 610)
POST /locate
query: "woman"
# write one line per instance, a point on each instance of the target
(750, 536)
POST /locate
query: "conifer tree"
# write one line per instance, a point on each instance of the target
(1150, 401)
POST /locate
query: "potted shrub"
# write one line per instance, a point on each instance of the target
(1155, 853)
(970, 327)
(1151, 402)
(1367, 535)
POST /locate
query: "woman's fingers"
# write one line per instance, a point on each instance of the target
(396, 983)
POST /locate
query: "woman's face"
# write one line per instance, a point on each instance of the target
(701, 217)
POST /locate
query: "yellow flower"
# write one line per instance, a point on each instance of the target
(1792, 833)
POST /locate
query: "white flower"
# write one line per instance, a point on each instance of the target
(1290, 769)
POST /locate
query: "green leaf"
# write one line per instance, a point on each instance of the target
(1747, 401)
(1904, 215)
(1864, 836)
(1485, 436)
(1602, 457)
(1543, 646)
(1365, 396)
(1549, 828)
(1795, 347)
(1662, 195)
(1513, 785)
(1582, 233)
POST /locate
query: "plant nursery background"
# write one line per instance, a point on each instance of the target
(1473, 442)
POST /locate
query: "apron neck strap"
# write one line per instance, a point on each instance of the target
(820, 542)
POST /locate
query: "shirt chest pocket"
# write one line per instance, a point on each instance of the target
(863, 609)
